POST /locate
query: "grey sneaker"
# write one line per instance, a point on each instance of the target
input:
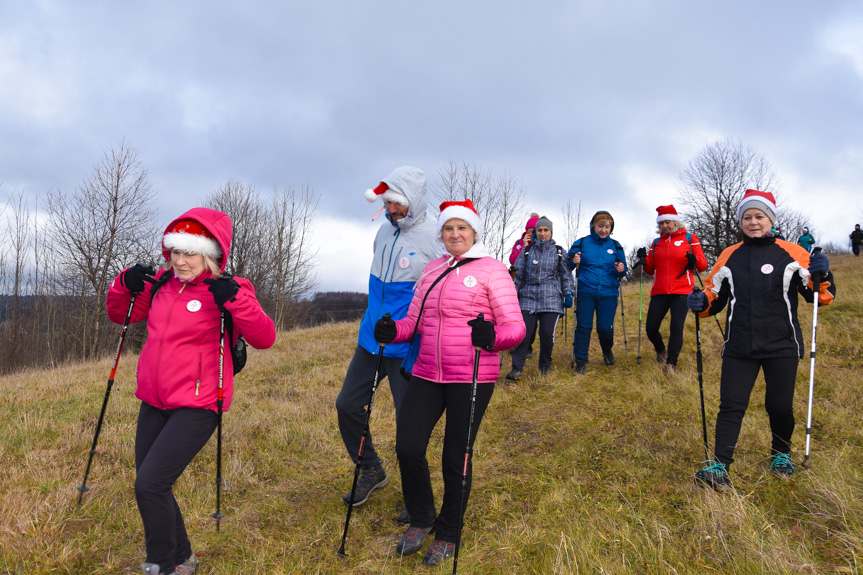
(781, 466)
(514, 374)
(412, 540)
(608, 357)
(714, 475)
(188, 567)
(153, 569)
(580, 367)
(371, 479)
(438, 551)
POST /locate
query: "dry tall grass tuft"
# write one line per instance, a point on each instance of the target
(588, 474)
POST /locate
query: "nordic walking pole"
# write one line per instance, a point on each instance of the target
(375, 382)
(640, 291)
(700, 378)
(574, 314)
(219, 399)
(83, 487)
(467, 451)
(719, 325)
(623, 319)
(816, 281)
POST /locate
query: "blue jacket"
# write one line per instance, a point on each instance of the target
(596, 273)
(542, 278)
(402, 249)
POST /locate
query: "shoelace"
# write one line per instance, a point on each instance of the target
(781, 460)
(714, 467)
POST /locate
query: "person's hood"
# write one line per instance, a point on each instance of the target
(411, 183)
(593, 219)
(216, 222)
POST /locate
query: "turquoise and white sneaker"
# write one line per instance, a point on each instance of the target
(781, 466)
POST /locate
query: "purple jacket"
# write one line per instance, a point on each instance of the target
(446, 354)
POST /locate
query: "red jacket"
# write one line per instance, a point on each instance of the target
(667, 260)
(179, 364)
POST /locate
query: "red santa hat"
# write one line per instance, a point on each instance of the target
(665, 213)
(764, 201)
(385, 193)
(463, 210)
(191, 237)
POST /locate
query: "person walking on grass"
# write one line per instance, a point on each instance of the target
(674, 258)
(475, 283)
(806, 240)
(404, 244)
(525, 240)
(759, 279)
(856, 239)
(544, 283)
(601, 264)
(178, 373)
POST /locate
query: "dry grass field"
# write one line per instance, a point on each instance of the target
(589, 474)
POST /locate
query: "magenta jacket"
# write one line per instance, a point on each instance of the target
(179, 364)
(446, 354)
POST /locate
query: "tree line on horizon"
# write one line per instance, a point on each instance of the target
(60, 252)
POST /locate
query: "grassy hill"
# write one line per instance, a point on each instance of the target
(589, 474)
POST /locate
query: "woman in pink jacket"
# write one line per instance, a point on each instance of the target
(178, 370)
(475, 283)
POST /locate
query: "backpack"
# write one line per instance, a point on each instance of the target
(238, 349)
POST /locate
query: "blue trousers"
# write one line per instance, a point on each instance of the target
(605, 308)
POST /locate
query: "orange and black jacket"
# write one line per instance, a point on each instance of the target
(759, 279)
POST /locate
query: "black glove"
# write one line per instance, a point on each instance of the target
(641, 253)
(385, 329)
(223, 288)
(690, 261)
(697, 301)
(134, 277)
(819, 263)
(482, 334)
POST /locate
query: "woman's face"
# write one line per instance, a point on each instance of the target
(755, 223)
(457, 236)
(602, 228)
(543, 233)
(187, 266)
(666, 226)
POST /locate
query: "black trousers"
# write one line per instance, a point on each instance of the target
(353, 400)
(659, 306)
(546, 321)
(735, 387)
(166, 441)
(423, 405)
(856, 249)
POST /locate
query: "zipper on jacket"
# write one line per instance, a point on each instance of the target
(198, 381)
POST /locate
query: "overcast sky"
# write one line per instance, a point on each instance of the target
(601, 101)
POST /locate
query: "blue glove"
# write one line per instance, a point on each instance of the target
(818, 264)
(697, 301)
(567, 301)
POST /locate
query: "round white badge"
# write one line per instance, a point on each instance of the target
(469, 281)
(404, 262)
(766, 269)
(535, 262)
(193, 306)
(611, 251)
(678, 243)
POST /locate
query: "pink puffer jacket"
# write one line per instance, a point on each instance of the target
(446, 354)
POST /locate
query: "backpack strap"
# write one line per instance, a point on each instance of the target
(431, 287)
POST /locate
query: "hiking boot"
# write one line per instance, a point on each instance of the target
(669, 368)
(412, 540)
(404, 517)
(530, 353)
(662, 357)
(153, 569)
(714, 475)
(580, 367)
(544, 371)
(781, 466)
(514, 374)
(438, 551)
(371, 479)
(188, 567)
(608, 357)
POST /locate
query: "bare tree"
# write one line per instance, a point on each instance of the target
(572, 216)
(294, 276)
(109, 223)
(499, 202)
(713, 184)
